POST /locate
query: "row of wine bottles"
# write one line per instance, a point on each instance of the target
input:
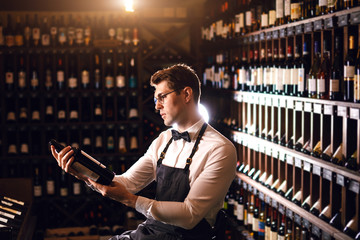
(66, 30)
(293, 75)
(70, 70)
(96, 139)
(265, 218)
(71, 108)
(239, 17)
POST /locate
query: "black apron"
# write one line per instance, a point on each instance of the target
(172, 185)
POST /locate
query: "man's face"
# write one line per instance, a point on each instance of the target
(169, 104)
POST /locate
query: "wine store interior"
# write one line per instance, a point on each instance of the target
(280, 79)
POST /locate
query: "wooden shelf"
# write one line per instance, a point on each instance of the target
(295, 209)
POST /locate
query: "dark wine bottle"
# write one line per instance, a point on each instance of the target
(87, 165)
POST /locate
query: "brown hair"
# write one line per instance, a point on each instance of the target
(178, 77)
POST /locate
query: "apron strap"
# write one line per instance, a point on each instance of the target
(189, 159)
(162, 154)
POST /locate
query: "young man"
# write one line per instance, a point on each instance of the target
(192, 163)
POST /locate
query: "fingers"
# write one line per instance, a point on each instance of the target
(63, 157)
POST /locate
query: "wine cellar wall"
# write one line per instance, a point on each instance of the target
(293, 113)
(81, 78)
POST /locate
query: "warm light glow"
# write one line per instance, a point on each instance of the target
(129, 5)
(203, 112)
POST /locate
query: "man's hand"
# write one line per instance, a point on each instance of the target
(64, 159)
(117, 192)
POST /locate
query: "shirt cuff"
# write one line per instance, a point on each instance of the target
(143, 205)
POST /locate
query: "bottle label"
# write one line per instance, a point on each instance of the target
(60, 76)
(281, 237)
(323, 3)
(294, 76)
(301, 78)
(334, 85)
(9, 77)
(98, 141)
(79, 33)
(255, 225)
(331, 3)
(248, 17)
(268, 76)
(49, 110)
(76, 188)
(356, 88)
(295, 11)
(62, 35)
(241, 20)
(321, 85)
(19, 40)
(264, 20)
(35, 115)
(24, 148)
(36, 33)
(10, 40)
(109, 82)
(279, 82)
(250, 218)
(349, 71)
(261, 228)
(312, 84)
(53, 31)
(50, 187)
(272, 17)
(22, 79)
(61, 114)
(287, 7)
(98, 111)
(11, 116)
(72, 82)
(286, 76)
(85, 171)
(34, 82)
(267, 233)
(63, 191)
(45, 39)
(23, 113)
(74, 114)
(240, 212)
(85, 79)
(260, 76)
(37, 191)
(120, 81)
(27, 33)
(279, 8)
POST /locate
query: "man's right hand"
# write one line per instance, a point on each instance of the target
(65, 159)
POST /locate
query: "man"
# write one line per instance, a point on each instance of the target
(192, 163)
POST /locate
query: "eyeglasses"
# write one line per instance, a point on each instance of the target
(161, 97)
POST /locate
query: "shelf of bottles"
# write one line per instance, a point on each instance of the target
(294, 110)
(74, 77)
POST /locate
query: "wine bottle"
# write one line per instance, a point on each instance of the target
(35, 110)
(23, 115)
(86, 145)
(274, 228)
(85, 108)
(306, 147)
(71, 31)
(338, 157)
(279, 12)
(109, 111)
(24, 142)
(326, 154)
(34, 78)
(74, 109)
(97, 72)
(98, 140)
(289, 193)
(336, 220)
(36, 34)
(297, 198)
(120, 75)
(325, 214)
(79, 32)
(50, 183)
(22, 74)
(62, 36)
(288, 66)
(349, 71)
(351, 227)
(316, 152)
(27, 31)
(255, 224)
(72, 80)
(122, 140)
(281, 231)
(348, 4)
(37, 183)
(110, 140)
(48, 78)
(64, 188)
(312, 90)
(315, 209)
(133, 75)
(133, 112)
(109, 73)
(61, 109)
(134, 140)
(98, 113)
(53, 31)
(323, 78)
(351, 162)
(45, 33)
(282, 188)
(60, 74)
(9, 73)
(87, 165)
(9, 32)
(85, 75)
(240, 207)
(336, 73)
(306, 203)
(250, 213)
(19, 37)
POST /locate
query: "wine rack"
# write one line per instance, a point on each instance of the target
(298, 147)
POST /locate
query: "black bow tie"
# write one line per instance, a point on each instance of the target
(184, 135)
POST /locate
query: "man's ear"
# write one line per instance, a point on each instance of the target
(188, 94)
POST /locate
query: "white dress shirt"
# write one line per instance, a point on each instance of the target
(211, 173)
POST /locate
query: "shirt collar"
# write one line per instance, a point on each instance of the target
(194, 129)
